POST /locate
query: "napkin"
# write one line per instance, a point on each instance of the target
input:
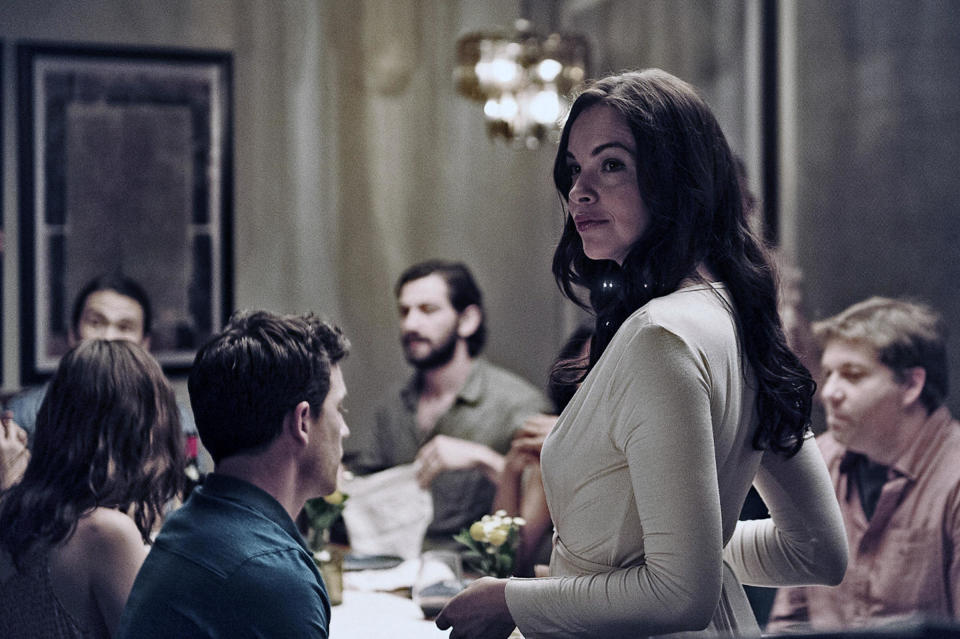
(387, 513)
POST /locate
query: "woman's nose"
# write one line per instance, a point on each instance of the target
(582, 190)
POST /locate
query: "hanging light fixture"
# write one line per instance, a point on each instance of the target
(523, 79)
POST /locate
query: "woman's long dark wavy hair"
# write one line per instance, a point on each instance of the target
(688, 182)
(108, 435)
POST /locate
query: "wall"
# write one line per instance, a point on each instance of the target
(353, 158)
(874, 146)
(418, 178)
(266, 190)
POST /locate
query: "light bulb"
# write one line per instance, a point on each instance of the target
(545, 107)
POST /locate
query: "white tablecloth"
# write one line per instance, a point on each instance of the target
(380, 615)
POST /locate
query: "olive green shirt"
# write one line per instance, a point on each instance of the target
(489, 408)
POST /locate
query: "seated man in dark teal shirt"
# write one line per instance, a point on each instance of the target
(267, 395)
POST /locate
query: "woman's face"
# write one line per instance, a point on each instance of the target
(604, 198)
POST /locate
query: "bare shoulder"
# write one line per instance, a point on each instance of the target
(103, 537)
(93, 570)
(106, 527)
(108, 547)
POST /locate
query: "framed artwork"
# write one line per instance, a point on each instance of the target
(3, 237)
(125, 166)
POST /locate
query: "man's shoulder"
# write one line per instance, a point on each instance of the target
(502, 380)
(220, 535)
(946, 450)
(279, 582)
(26, 404)
(30, 394)
(240, 595)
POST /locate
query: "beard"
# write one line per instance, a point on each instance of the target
(437, 356)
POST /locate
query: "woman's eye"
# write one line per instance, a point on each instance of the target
(612, 165)
(573, 169)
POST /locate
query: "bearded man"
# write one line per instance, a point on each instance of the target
(457, 413)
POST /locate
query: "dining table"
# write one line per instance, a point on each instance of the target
(376, 603)
(375, 615)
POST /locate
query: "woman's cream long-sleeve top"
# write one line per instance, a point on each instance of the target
(645, 474)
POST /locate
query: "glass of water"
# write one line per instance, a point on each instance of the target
(438, 580)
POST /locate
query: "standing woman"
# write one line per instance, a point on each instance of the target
(107, 456)
(690, 396)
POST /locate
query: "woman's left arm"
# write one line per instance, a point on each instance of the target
(804, 541)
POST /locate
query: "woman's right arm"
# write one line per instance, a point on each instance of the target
(804, 541)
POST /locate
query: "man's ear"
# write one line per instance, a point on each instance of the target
(913, 382)
(72, 338)
(145, 342)
(296, 423)
(469, 322)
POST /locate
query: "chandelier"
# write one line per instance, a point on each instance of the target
(522, 78)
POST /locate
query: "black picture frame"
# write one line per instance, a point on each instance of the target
(125, 164)
(3, 236)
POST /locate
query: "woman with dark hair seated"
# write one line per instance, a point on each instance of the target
(107, 456)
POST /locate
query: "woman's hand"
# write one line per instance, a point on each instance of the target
(479, 611)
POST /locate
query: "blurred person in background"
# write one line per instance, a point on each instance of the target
(115, 307)
(893, 451)
(110, 306)
(456, 415)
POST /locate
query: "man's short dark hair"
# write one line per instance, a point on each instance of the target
(119, 283)
(903, 333)
(246, 379)
(463, 292)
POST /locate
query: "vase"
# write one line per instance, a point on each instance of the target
(330, 562)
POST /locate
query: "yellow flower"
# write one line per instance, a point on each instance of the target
(498, 536)
(335, 498)
(477, 531)
(492, 541)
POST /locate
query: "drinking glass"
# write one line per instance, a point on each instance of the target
(438, 580)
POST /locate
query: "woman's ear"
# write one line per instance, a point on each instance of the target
(469, 322)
